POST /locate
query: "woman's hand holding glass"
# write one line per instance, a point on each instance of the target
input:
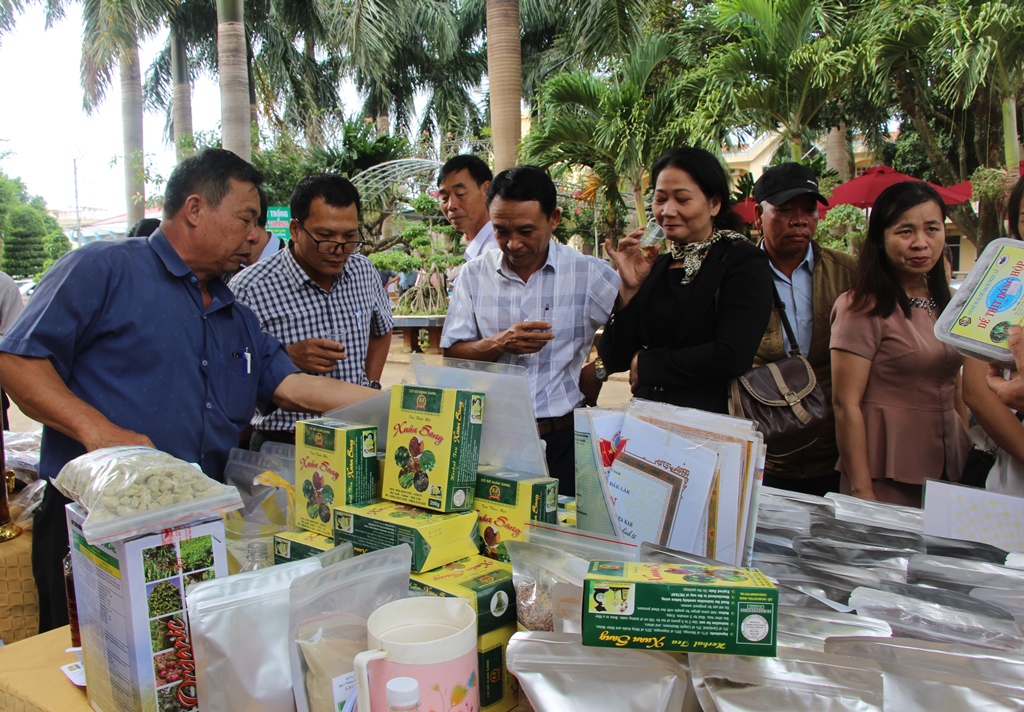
(634, 265)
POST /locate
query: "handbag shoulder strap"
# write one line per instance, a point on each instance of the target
(794, 347)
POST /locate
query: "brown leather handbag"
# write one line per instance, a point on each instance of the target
(783, 397)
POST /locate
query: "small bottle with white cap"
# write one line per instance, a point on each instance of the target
(403, 694)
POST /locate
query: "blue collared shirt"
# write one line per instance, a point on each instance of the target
(797, 293)
(124, 325)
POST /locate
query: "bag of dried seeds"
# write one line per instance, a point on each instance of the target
(536, 570)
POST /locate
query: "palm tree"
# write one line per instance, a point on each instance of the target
(615, 126)
(985, 41)
(110, 36)
(505, 79)
(783, 64)
(233, 67)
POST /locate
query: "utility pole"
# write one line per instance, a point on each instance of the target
(78, 213)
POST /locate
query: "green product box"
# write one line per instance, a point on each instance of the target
(506, 500)
(487, 585)
(335, 463)
(292, 546)
(433, 447)
(436, 539)
(684, 608)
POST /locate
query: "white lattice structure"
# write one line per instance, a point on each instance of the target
(409, 173)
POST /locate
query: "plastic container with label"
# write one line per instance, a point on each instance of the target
(978, 318)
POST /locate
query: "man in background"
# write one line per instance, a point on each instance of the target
(462, 186)
(808, 279)
(534, 303)
(321, 298)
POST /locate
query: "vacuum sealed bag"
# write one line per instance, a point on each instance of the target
(914, 618)
(877, 514)
(784, 499)
(1011, 601)
(129, 491)
(327, 623)
(888, 563)
(961, 575)
(840, 577)
(536, 571)
(796, 680)
(950, 599)
(858, 533)
(559, 674)
(960, 549)
(585, 545)
(806, 628)
(240, 641)
(924, 676)
(266, 484)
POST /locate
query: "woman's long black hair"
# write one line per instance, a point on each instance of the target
(875, 280)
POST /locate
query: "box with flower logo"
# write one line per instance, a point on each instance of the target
(433, 447)
(335, 463)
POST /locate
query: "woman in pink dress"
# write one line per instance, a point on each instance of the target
(896, 390)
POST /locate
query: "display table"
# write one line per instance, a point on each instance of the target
(31, 679)
(409, 327)
(19, 605)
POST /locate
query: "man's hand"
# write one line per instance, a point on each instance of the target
(1010, 392)
(526, 337)
(109, 435)
(590, 385)
(316, 355)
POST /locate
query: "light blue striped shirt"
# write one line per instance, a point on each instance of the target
(797, 293)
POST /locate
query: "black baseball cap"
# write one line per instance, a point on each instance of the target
(785, 182)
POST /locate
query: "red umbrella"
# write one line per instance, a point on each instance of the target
(965, 189)
(745, 209)
(865, 188)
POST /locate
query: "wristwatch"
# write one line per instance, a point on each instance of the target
(374, 384)
(600, 371)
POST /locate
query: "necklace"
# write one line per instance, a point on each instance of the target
(924, 303)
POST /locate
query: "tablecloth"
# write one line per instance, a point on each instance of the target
(31, 679)
(19, 606)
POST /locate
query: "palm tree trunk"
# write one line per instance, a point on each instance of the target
(234, 80)
(314, 136)
(131, 129)
(796, 148)
(182, 102)
(1010, 138)
(254, 114)
(505, 76)
(638, 202)
(836, 155)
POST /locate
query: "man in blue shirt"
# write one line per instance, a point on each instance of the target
(139, 342)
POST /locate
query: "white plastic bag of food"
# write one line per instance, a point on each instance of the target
(239, 628)
(129, 491)
(559, 674)
(327, 623)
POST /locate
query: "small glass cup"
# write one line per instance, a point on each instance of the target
(337, 336)
(654, 235)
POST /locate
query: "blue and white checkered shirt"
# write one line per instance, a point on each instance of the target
(293, 307)
(572, 291)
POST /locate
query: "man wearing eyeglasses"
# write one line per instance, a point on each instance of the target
(320, 297)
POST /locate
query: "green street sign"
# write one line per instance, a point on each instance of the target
(278, 219)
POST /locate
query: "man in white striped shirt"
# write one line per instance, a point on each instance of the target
(320, 297)
(535, 303)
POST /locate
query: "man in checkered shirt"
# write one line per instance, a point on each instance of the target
(535, 303)
(320, 297)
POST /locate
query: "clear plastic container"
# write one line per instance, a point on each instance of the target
(991, 300)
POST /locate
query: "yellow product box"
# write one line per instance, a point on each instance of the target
(292, 546)
(436, 539)
(487, 585)
(679, 607)
(506, 500)
(335, 463)
(433, 447)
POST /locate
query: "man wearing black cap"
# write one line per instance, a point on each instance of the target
(809, 278)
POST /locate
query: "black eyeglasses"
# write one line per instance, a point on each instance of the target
(330, 247)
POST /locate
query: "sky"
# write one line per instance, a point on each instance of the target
(44, 128)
